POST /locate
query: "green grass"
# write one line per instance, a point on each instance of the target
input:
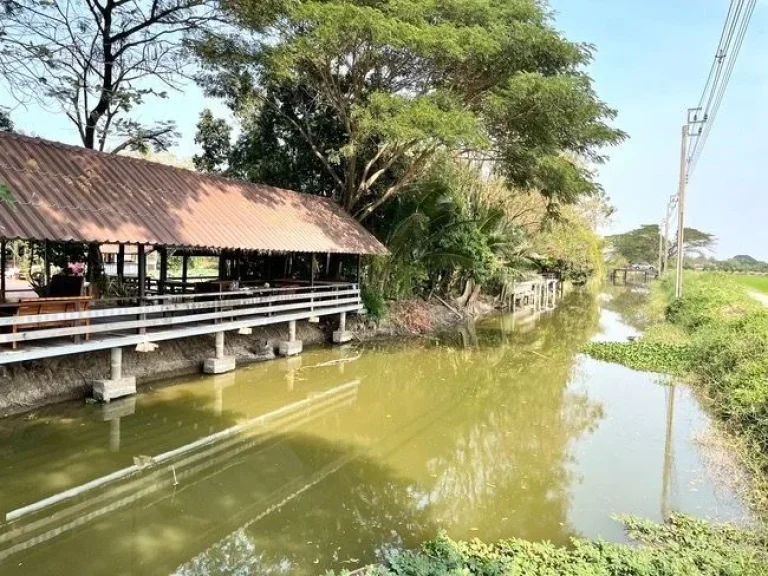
(759, 283)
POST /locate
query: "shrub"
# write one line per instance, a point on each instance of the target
(374, 302)
(681, 547)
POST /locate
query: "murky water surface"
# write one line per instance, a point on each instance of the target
(328, 460)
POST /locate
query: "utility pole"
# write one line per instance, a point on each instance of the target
(661, 248)
(681, 211)
(692, 121)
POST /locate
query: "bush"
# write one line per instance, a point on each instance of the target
(374, 302)
(683, 546)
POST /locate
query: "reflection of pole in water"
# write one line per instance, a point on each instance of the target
(221, 381)
(291, 366)
(666, 479)
(112, 413)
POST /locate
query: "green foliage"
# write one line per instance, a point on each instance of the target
(213, 136)
(681, 547)
(447, 231)
(570, 243)
(6, 124)
(641, 246)
(374, 302)
(360, 96)
(645, 356)
(6, 194)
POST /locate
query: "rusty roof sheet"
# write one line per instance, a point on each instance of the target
(66, 193)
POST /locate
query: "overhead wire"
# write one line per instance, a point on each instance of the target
(737, 22)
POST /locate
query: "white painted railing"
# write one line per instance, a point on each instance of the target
(166, 317)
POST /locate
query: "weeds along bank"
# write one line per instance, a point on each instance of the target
(681, 547)
(715, 336)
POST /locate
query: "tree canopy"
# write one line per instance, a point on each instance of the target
(641, 246)
(6, 124)
(98, 60)
(358, 96)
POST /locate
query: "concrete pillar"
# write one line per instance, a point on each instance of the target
(117, 385)
(219, 345)
(116, 363)
(220, 363)
(341, 335)
(291, 347)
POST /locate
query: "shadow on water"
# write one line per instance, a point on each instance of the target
(294, 466)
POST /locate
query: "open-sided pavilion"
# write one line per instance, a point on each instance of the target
(280, 256)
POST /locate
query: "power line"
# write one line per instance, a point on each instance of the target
(731, 40)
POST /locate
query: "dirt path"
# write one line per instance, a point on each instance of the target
(759, 296)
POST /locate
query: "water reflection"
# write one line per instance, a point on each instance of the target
(294, 466)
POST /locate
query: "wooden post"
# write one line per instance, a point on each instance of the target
(163, 269)
(312, 262)
(142, 273)
(93, 262)
(184, 270)
(121, 262)
(47, 262)
(2, 270)
(359, 269)
(222, 265)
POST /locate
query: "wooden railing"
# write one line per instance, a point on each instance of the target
(165, 317)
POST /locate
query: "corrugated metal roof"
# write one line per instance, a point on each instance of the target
(65, 193)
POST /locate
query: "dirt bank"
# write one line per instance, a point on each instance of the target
(34, 384)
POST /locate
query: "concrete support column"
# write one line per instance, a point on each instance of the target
(219, 345)
(291, 347)
(116, 363)
(117, 385)
(220, 363)
(341, 335)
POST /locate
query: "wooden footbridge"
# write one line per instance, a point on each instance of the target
(538, 294)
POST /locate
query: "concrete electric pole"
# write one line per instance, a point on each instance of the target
(681, 211)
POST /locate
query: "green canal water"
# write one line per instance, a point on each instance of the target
(329, 460)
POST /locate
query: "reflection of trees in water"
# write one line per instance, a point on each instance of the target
(361, 508)
(503, 451)
(631, 303)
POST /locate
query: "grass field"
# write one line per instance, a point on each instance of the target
(755, 282)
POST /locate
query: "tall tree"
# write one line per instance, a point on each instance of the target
(398, 81)
(641, 246)
(98, 60)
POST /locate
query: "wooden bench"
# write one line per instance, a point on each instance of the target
(36, 306)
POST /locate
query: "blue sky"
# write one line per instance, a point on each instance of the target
(651, 63)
